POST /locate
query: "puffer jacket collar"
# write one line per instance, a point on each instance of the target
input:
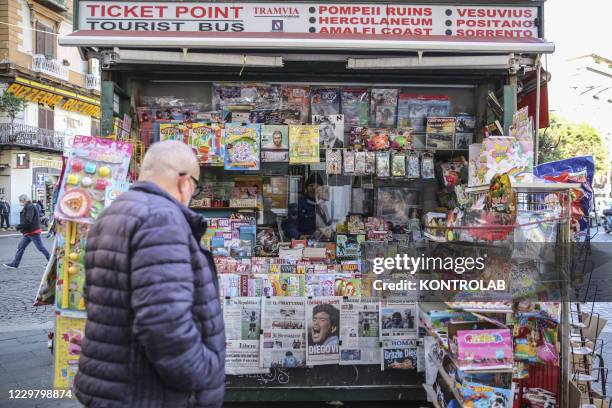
(196, 222)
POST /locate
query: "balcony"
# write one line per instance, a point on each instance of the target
(56, 5)
(92, 82)
(30, 136)
(52, 67)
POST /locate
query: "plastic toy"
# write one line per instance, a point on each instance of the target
(72, 179)
(90, 168)
(87, 181)
(77, 166)
(104, 171)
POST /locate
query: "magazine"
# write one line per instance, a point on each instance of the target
(242, 316)
(323, 330)
(172, 131)
(355, 106)
(295, 99)
(303, 144)
(283, 341)
(359, 334)
(331, 130)
(398, 319)
(398, 354)
(384, 106)
(415, 109)
(325, 101)
(484, 349)
(274, 143)
(242, 146)
(206, 140)
(440, 132)
(247, 95)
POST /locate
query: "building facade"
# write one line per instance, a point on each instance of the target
(62, 93)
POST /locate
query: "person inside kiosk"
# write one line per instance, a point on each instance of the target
(310, 218)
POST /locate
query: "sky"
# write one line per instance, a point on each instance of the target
(577, 28)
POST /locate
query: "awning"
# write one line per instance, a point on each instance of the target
(310, 42)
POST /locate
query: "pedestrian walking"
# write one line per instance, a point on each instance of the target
(154, 335)
(5, 213)
(29, 226)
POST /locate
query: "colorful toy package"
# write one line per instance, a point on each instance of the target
(242, 146)
(477, 395)
(71, 241)
(69, 333)
(206, 140)
(575, 170)
(500, 154)
(484, 349)
(93, 165)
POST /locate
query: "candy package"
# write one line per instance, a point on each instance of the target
(427, 166)
(360, 163)
(398, 165)
(382, 164)
(349, 161)
(501, 197)
(413, 166)
(94, 163)
(333, 161)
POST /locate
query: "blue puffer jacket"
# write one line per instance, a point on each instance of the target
(154, 334)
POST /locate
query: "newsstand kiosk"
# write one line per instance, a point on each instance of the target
(379, 99)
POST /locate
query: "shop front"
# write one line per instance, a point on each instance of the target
(328, 135)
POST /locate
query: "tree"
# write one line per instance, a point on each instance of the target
(563, 140)
(11, 105)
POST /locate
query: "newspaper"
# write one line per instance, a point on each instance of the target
(322, 331)
(398, 319)
(242, 316)
(283, 341)
(359, 335)
(399, 354)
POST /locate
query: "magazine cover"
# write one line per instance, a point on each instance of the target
(242, 146)
(303, 144)
(250, 95)
(325, 101)
(463, 141)
(398, 319)
(419, 107)
(283, 337)
(399, 354)
(242, 316)
(465, 123)
(382, 164)
(295, 99)
(274, 143)
(355, 106)
(484, 349)
(359, 334)
(206, 140)
(323, 330)
(440, 132)
(69, 333)
(384, 107)
(333, 161)
(331, 130)
(172, 131)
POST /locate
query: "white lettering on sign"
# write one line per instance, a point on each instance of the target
(364, 20)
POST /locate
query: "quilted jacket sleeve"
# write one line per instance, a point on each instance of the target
(162, 297)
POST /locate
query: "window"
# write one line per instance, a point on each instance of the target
(45, 41)
(95, 127)
(45, 117)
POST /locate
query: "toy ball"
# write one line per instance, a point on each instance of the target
(100, 184)
(74, 256)
(73, 179)
(104, 171)
(90, 168)
(72, 270)
(86, 182)
(77, 165)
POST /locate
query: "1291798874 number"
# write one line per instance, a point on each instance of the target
(42, 394)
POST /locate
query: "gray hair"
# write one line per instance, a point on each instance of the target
(165, 160)
(24, 197)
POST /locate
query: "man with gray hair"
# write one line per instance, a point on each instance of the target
(154, 335)
(5, 213)
(29, 226)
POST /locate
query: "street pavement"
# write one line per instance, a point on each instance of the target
(26, 362)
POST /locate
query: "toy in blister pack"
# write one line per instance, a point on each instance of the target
(413, 167)
(349, 161)
(360, 163)
(370, 162)
(382, 164)
(398, 165)
(333, 161)
(93, 164)
(427, 166)
(575, 170)
(69, 334)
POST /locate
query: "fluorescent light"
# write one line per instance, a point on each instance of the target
(433, 62)
(187, 58)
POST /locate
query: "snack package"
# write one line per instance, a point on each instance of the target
(94, 164)
(427, 166)
(382, 164)
(333, 161)
(398, 165)
(360, 163)
(242, 146)
(501, 196)
(349, 161)
(370, 162)
(325, 101)
(384, 107)
(575, 170)
(413, 165)
(355, 106)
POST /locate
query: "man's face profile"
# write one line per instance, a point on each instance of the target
(321, 327)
